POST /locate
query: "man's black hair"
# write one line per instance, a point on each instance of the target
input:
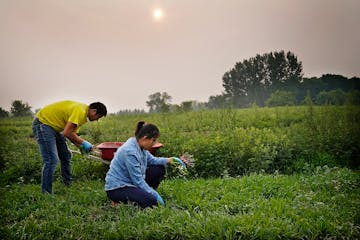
(100, 108)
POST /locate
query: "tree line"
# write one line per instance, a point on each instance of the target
(276, 79)
(271, 79)
(329, 89)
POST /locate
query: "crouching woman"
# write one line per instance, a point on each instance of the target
(134, 173)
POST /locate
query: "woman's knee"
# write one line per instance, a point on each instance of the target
(132, 195)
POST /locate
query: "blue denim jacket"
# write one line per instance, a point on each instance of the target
(128, 167)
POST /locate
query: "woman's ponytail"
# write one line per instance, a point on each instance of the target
(138, 127)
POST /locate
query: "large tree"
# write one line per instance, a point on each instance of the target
(159, 102)
(20, 109)
(253, 80)
(3, 113)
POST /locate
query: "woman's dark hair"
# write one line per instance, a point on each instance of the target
(100, 108)
(146, 129)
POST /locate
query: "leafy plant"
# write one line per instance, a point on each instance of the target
(227, 142)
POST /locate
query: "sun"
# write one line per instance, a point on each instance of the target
(158, 14)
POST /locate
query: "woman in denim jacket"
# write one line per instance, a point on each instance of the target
(134, 173)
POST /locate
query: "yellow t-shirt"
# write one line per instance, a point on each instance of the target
(56, 115)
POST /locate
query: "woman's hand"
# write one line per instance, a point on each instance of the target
(185, 160)
(177, 160)
(160, 200)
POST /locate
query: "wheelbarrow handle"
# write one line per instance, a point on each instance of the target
(93, 157)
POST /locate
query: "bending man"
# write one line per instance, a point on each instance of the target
(52, 125)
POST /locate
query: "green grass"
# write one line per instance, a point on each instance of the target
(238, 188)
(324, 205)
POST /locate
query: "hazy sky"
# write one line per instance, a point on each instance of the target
(114, 51)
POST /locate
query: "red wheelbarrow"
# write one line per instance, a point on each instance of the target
(108, 149)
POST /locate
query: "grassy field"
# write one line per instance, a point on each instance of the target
(272, 173)
(324, 205)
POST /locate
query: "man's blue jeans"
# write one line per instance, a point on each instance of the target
(52, 147)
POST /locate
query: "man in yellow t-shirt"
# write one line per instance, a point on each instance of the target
(52, 125)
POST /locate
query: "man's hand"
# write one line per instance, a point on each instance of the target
(86, 146)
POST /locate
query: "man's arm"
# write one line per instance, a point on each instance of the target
(70, 133)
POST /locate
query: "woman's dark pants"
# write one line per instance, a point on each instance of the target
(154, 175)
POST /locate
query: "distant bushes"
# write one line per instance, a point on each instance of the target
(224, 142)
(267, 139)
